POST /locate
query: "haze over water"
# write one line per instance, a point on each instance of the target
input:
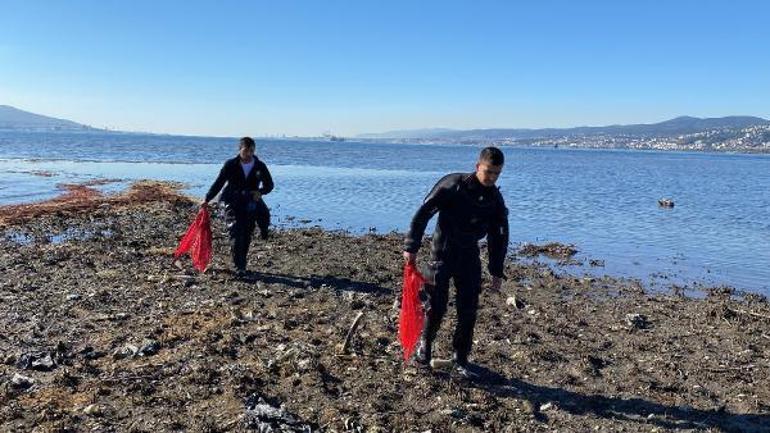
(604, 202)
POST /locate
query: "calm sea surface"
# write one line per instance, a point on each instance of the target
(604, 202)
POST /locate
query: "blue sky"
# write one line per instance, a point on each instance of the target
(306, 67)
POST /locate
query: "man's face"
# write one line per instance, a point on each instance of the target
(246, 153)
(487, 173)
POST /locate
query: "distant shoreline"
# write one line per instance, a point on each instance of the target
(416, 142)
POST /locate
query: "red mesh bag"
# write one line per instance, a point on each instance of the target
(197, 240)
(411, 319)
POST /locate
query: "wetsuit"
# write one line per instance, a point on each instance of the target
(468, 211)
(242, 212)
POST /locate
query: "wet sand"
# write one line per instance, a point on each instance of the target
(101, 331)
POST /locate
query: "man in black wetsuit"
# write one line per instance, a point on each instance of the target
(248, 179)
(470, 207)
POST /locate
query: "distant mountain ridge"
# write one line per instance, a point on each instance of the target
(13, 118)
(677, 126)
(729, 134)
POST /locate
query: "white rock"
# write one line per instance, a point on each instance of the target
(20, 381)
(92, 410)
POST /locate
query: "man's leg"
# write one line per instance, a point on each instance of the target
(439, 296)
(263, 219)
(468, 286)
(235, 227)
(249, 224)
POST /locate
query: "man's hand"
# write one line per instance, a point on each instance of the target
(496, 283)
(410, 258)
(256, 195)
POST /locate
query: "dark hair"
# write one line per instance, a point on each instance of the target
(492, 155)
(247, 142)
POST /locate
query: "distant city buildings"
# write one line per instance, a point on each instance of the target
(754, 139)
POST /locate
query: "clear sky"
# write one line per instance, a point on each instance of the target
(306, 67)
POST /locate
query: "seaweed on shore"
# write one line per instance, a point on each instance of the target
(105, 333)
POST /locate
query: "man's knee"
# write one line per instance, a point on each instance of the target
(439, 295)
(467, 314)
(262, 214)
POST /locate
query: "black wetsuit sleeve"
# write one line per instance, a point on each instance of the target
(267, 180)
(497, 240)
(218, 183)
(436, 199)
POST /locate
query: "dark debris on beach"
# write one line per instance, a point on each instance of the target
(101, 331)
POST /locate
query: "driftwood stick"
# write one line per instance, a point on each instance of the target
(750, 313)
(129, 378)
(725, 369)
(351, 331)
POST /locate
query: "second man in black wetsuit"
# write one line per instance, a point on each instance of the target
(469, 207)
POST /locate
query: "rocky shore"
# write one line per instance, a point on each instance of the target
(101, 331)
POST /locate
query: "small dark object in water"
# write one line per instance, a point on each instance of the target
(553, 250)
(666, 202)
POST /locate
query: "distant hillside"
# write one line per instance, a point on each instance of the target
(13, 118)
(678, 126)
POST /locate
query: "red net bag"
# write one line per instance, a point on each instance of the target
(197, 240)
(411, 319)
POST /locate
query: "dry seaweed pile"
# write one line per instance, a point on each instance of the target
(81, 198)
(100, 331)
